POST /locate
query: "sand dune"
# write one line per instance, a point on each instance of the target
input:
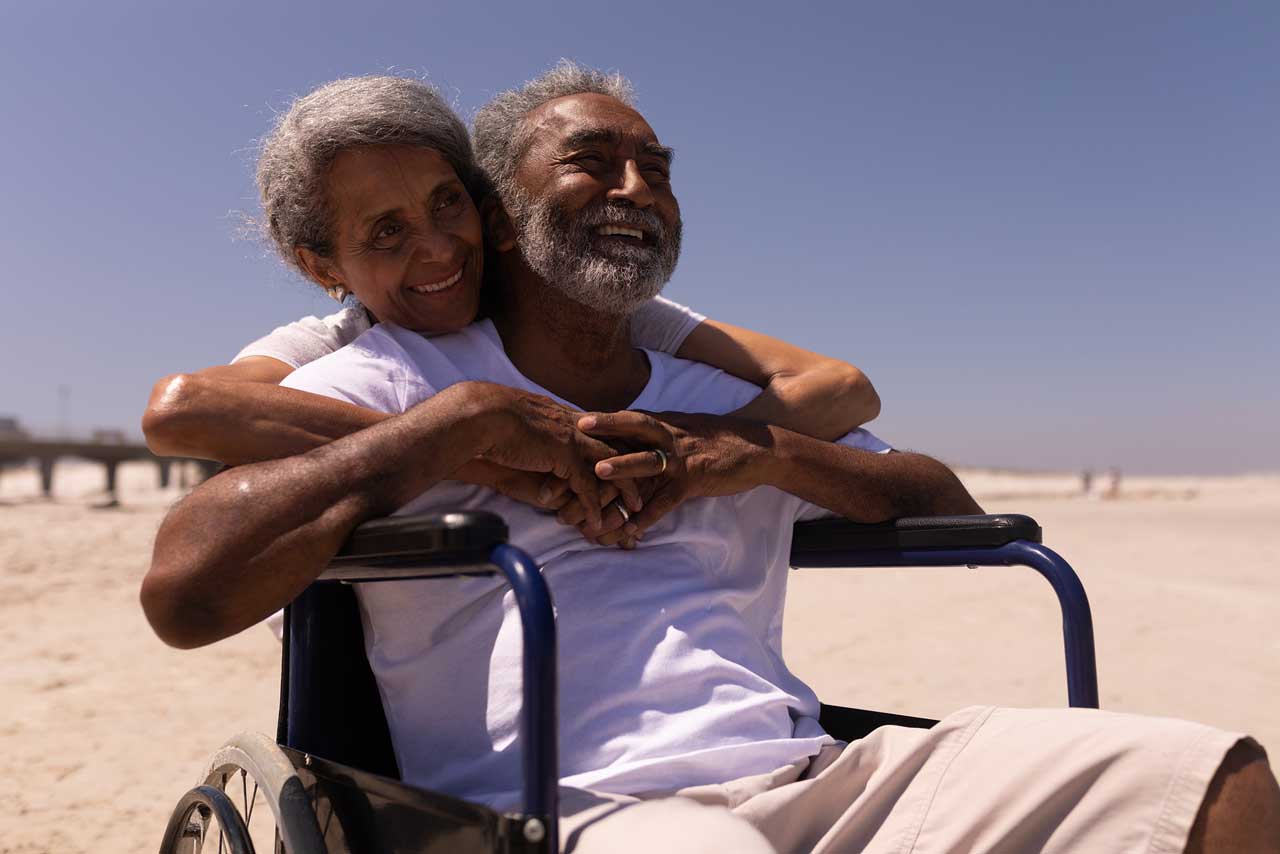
(103, 727)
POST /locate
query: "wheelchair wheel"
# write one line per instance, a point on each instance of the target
(250, 800)
(189, 826)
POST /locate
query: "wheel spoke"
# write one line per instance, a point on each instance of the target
(253, 800)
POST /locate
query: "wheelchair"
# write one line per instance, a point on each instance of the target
(329, 781)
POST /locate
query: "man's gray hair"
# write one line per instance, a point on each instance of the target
(502, 137)
(357, 111)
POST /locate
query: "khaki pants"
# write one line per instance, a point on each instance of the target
(982, 780)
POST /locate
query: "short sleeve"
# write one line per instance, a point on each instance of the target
(662, 325)
(310, 338)
(863, 440)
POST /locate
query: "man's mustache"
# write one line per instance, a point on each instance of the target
(629, 215)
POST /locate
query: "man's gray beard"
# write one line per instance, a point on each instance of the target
(615, 280)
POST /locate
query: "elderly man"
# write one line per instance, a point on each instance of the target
(681, 726)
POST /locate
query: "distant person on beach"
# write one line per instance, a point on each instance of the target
(418, 261)
(678, 713)
(1113, 482)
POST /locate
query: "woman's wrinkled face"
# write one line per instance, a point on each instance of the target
(407, 238)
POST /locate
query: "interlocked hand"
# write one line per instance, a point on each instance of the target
(701, 455)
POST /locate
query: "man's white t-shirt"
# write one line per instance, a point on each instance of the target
(658, 324)
(670, 656)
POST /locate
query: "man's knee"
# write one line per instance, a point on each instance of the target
(1241, 808)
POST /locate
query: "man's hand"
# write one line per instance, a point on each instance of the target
(701, 456)
(708, 455)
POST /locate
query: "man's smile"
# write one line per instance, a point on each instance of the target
(610, 229)
(618, 234)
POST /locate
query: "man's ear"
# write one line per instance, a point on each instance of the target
(497, 224)
(322, 271)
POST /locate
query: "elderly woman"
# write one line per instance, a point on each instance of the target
(370, 190)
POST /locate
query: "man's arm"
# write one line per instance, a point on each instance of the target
(248, 541)
(709, 455)
(861, 485)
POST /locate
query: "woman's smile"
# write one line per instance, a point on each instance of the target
(442, 285)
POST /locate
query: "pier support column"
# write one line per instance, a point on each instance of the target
(112, 465)
(46, 476)
(165, 466)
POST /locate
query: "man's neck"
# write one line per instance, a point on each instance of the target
(571, 350)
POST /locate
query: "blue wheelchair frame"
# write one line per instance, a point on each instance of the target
(347, 764)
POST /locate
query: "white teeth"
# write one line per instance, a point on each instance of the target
(622, 230)
(438, 286)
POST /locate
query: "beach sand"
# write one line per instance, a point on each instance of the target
(102, 727)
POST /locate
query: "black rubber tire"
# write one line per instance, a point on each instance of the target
(189, 824)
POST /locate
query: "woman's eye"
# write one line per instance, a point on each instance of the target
(448, 200)
(386, 235)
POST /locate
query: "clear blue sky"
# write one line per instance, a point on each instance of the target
(1050, 232)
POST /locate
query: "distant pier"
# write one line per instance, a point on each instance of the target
(47, 452)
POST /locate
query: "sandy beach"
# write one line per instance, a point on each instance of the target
(103, 727)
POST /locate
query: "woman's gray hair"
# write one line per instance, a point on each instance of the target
(356, 111)
(501, 136)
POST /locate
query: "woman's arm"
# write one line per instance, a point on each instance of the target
(236, 414)
(803, 391)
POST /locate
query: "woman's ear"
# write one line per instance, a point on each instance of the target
(321, 270)
(501, 233)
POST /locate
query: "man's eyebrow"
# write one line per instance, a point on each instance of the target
(662, 152)
(592, 136)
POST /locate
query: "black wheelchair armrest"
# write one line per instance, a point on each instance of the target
(420, 546)
(924, 532)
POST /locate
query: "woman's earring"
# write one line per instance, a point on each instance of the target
(338, 292)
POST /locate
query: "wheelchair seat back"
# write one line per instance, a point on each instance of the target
(329, 700)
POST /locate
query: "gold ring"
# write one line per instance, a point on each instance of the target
(617, 505)
(662, 458)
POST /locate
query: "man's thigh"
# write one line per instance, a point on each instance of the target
(1001, 780)
(594, 823)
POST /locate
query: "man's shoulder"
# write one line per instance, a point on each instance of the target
(398, 368)
(370, 371)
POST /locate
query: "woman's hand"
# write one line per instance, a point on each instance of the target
(616, 528)
(532, 433)
(548, 492)
(675, 456)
